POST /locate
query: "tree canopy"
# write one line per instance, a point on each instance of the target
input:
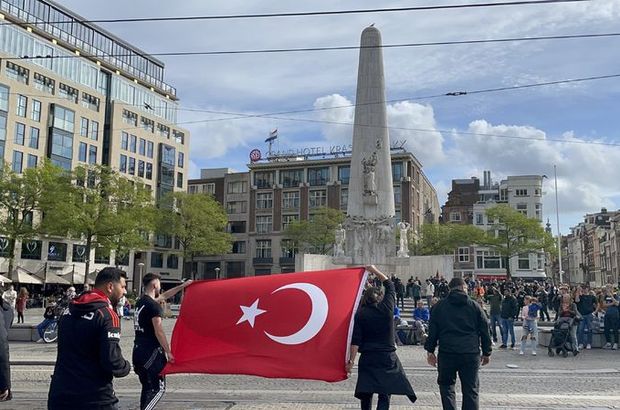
(443, 239)
(198, 222)
(318, 232)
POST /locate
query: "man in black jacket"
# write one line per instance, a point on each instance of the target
(6, 319)
(89, 355)
(508, 313)
(460, 327)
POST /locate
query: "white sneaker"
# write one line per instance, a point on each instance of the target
(521, 353)
(40, 340)
(615, 346)
(607, 346)
(580, 346)
(533, 353)
(588, 346)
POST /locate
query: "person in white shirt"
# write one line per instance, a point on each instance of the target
(10, 296)
(430, 292)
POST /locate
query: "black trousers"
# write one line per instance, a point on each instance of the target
(466, 366)
(153, 388)
(382, 404)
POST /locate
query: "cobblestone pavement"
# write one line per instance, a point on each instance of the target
(588, 381)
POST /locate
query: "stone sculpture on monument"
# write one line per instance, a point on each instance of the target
(403, 251)
(340, 236)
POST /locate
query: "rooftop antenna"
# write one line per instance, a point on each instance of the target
(273, 135)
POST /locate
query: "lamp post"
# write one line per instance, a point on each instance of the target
(217, 273)
(557, 216)
(141, 268)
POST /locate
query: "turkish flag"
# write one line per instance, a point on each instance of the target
(295, 325)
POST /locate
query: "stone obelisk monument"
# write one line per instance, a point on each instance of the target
(369, 225)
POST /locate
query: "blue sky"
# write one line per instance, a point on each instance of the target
(576, 114)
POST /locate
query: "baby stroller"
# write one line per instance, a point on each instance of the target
(561, 340)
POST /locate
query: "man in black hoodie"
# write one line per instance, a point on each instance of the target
(460, 327)
(89, 355)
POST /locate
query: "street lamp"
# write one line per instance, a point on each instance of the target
(217, 273)
(141, 267)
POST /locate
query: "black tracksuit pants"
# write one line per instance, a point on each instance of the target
(148, 363)
(466, 366)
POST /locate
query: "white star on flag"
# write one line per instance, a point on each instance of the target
(250, 313)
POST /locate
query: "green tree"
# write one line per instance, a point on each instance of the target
(105, 209)
(513, 234)
(317, 233)
(443, 239)
(198, 222)
(23, 198)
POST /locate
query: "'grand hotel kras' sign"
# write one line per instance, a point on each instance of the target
(330, 150)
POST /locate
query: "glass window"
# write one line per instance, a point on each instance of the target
(463, 254)
(397, 195)
(94, 130)
(44, 83)
(237, 187)
(318, 176)
(263, 179)
(79, 253)
(179, 180)
(344, 173)
(20, 133)
(82, 152)
(263, 224)
(18, 158)
(3, 120)
(149, 171)
(57, 251)
(84, 127)
(142, 147)
(397, 171)
(63, 118)
(35, 114)
(181, 160)
(236, 207)
(32, 161)
(289, 250)
(287, 219)
(520, 192)
(238, 247)
(263, 249)
(157, 260)
(102, 256)
(4, 98)
(124, 140)
(141, 169)
(522, 208)
(92, 154)
(264, 200)
(318, 198)
(31, 249)
(344, 198)
(455, 216)
(122, 167)
(172, 261)
(22, 106)
(479, 218)
(132, 143)
(131, 167)
(34, 138)
(290, 200)
(291, 178)
(149, 149)
(17, 72)
(524, 261)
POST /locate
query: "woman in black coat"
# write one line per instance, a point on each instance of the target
(379, 370)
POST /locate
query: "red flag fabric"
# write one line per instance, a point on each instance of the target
(295, 326)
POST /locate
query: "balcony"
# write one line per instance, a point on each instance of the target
(287, 261)
(262, 261)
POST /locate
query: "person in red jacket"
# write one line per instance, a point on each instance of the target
(89, 354)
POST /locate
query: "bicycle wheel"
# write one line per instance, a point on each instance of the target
(51, 332)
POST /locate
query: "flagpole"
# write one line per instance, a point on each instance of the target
(557, 216)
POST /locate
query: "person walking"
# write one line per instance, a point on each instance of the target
(430, 292)
(459, 325)
(400, 293)
(495, 303)
(611, 304)
(509, 310)
(20, 304)
(416, 290)
(529, 315)
(151, 350)
(379, 370)
(543, 299)
(89, 354)
(586, 305)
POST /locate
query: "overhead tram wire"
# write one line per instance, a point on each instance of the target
(309, 13)
(427, 97)
(328, 48)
